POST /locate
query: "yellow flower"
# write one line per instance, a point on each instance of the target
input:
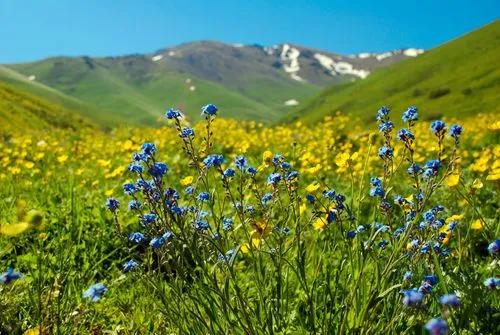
(477, 184)
(313, 187)
(319, 224)
(342, 159)
(477, 225)
(127, 145)
(187, 180)
(454, 218)
(109, 193)
(255, 243)
(63, 158)
(315, 169)
(267, 158)
(452, 180)
(493, 177)
(302, 209)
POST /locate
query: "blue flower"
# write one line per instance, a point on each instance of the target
(332, 216)
(351, 234)
(382, 113)
(449, 300)
(228, 256)
(139, 157)
(377, 191)
(330, 194)
(375, 182)
(134, 205)
(136, 237)
(360, 229)
(385, 152)
(158, 170)
(227, 224)
(412, 298)
(136, 167)
(431, 279)
(95, 292)
(414, 169)
(171, 193)
(187, 132)
(168, 235)
(157, 242)
(148, 219)
(112, 204)
(266, 198)
(130, 265)
(292, 175)
(203, 196)
(286, 166)
(386, 127)
(381, 227)
(228, 173)
(437, 327)
(251, 170)
(405, 135)
(241, 162)
(382, 244)
(189, 190)
(209, 110)
(310, 198)
(425, 288)
(411, 114)
(429, 216)
(494, 247)
(148, 149)
(9, 276)
(201, 225)
(492, 282)
(455, 131)
(130, 188)
(438, 127)
(273, 178)
(173, 114)
(213, 161)
(408, 276)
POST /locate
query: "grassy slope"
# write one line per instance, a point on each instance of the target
(464, 72)
(18, 82)
(137, 90)
(21, 110)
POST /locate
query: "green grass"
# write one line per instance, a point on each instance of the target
(20, 109)
(20, 83)
(460, 78)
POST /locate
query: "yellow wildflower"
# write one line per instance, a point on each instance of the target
(188, 180)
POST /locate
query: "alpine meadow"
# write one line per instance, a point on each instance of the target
(226, 188)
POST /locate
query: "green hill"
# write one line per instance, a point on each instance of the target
(245, 81)
(460, 78)
(133, 89)
(27, 106)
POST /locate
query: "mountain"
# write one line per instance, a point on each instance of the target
(27, 106)
(245, 81)
(459, 78)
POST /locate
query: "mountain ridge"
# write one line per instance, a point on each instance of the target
(249, 82)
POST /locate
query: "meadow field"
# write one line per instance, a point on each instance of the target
(235, 227)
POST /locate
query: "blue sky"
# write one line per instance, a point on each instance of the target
(31, 30)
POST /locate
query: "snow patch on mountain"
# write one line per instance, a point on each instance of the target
(290, 59)
(336, 68)
(291, 102)
(157, 58)
(412, 52)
